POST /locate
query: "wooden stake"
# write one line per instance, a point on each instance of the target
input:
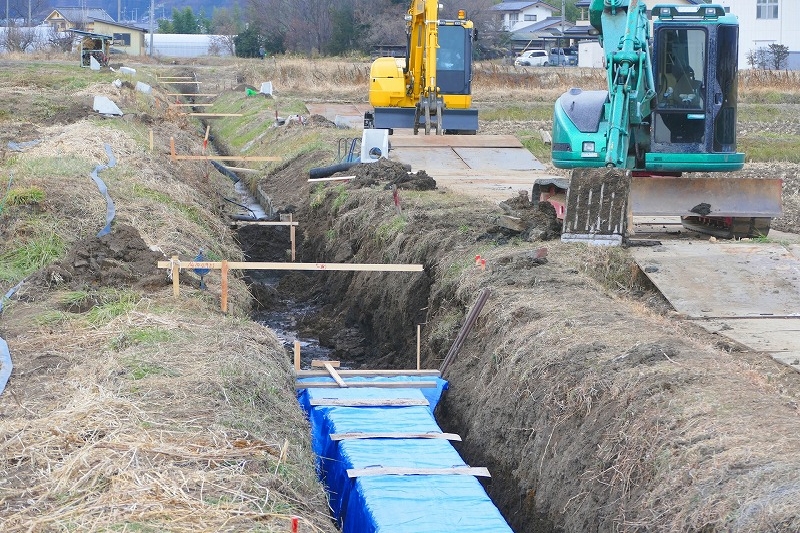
(224, 286)
(335, 375)
(297, 355)
(292, 234)
(419, 331)
(172, 149)
(176, 272)
(151, 139)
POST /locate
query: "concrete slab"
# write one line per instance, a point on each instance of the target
(104, 106)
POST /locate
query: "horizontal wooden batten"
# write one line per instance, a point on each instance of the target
(352, 436)
(478, 471)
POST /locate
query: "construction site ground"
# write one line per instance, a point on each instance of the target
(595, 403)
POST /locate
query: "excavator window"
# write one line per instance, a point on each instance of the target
(454, 60)
(680, 79)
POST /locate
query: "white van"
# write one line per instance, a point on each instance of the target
(532, 58)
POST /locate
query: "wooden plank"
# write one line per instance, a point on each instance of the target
(374, 373)
(228, 157)
(256, 265)
(316, 363)
(461, 141)
(215, 115)
(336, 377)
(478, 471)
(365, 384)
(512, 223)
(331, 178)
(267, 223)
(368, 402)
(296, 356)
(349, 436)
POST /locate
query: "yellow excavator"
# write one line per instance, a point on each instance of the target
(429, 89)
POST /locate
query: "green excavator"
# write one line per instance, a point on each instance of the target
(661, 140)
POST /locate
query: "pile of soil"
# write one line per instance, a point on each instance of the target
(120, 258)
(389, 174)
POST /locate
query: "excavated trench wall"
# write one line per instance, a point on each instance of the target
(593, 413)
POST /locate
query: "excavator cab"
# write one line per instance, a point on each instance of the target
(693, 122)
(454, 60)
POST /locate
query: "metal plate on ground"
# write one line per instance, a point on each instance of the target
(780, 337)
(718, 280)
(427, 159)
(499, 158)
(406, 140)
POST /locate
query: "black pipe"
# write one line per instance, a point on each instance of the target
(324, 172)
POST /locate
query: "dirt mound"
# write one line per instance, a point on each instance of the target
(535, 221)
(390, 173)
(119, 258)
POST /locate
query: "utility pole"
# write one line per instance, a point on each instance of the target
(152, 11)
(563, 17)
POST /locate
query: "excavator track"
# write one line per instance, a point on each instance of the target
(729, 228)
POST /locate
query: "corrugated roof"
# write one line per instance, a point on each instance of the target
(82, 15)
(519, 6)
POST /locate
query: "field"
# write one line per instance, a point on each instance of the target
(595, 407)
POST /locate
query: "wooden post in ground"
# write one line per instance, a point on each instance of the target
(291, 235)
(176, 273)
(297, 355)
(205, 140)
(419, 332)
(224, 285)
(172, 150)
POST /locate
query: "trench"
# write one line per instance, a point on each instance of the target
(299, 306)
(294, 306)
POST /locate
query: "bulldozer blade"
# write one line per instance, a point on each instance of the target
(597, 206)
(705, 196)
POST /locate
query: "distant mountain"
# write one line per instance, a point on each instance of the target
(138, 10)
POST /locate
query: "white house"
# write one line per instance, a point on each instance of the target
(761, 23)
(765, 22)
(516, 15)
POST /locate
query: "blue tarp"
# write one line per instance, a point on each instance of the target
(394, 503)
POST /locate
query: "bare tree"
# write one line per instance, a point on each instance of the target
(778, 54)
(19, 39)
(61, 40)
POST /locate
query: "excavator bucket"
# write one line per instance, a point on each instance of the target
(597, 206)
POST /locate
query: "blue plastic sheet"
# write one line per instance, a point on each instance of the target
(110, 209)
(394, 503)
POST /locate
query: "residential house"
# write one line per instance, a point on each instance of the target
(126, 39)
(766, 22)
(761, 23)
(532, 25)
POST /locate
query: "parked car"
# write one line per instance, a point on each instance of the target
(563, 57)
(532, 58)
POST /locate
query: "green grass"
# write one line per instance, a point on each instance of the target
(386, 232)
(26, 257)
(140, 369)
(532, 140)
(770, 147)
(341, 198)
(189, 211)
(141, 337)
(113, 303)
(530, 111)
(23, 196)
